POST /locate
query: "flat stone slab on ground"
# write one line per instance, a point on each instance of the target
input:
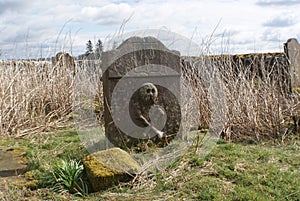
(12, 161)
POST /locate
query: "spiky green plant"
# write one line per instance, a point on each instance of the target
(67, 176)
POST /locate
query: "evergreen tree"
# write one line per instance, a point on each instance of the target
(99, 49)
(89, 48)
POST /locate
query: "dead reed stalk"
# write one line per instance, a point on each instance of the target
(33, 95)
(256, 99)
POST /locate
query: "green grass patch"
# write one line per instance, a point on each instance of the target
(263, 171)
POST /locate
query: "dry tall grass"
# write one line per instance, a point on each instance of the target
(258, 103)
(36, 95)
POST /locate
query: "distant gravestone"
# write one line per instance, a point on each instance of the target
(292, 50)
(65, 62)
(141, 85)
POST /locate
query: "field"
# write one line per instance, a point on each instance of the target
(256, 159)
(232, 171)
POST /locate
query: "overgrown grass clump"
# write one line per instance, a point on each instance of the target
(66, 175)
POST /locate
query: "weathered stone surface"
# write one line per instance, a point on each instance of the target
(135, 62)
(108, 167)
(12, 161)
(292, 50)
(65, 60)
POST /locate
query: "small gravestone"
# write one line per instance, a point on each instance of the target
(65, 62)
(141, 85)
(292, 50)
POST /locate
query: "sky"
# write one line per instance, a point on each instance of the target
(41, 28)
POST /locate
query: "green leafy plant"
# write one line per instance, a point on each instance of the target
(67, 176)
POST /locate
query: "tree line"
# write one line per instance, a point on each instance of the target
(93, 51)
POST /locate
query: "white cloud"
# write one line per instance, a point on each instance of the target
(282, 20)
(246, 24)
(110, 14)
(10, 6)
(270, 35)
(277, 2)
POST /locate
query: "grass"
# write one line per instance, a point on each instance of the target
(263, 171)
(67, 176)
(40, 99)
(48, 147)
(37, 96)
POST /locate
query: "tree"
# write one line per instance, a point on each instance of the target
(99, 49)
(89, 48)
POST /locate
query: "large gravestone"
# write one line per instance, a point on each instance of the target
(292, 50)
(141, 85)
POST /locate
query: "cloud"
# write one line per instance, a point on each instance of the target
(38, 22)
(227, 33)
(111, 14)
(277, 2)
(6, 6)
(270, 35)
(125, 1)
(283, 20)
